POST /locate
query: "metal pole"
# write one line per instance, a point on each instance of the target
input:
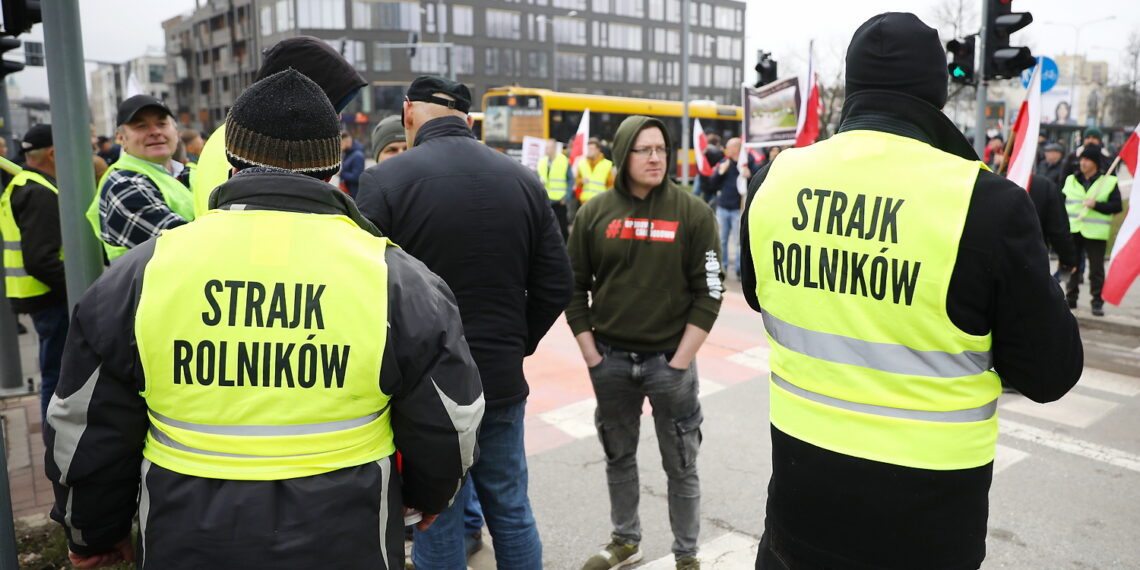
(63, 46)
(11, 375)
(685, 92)
(980, 110)
(7, 524)
(553, 54)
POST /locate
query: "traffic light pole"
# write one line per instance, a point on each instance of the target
(11, 375)
(685, 126)
(980, 74)
(63, 44)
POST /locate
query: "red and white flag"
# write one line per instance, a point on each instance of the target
(578, 143)
(1125, 266)
(807, 127)
(741, 164)
(1025, 131)
(700, 143)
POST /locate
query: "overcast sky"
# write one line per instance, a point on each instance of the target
(117, 30)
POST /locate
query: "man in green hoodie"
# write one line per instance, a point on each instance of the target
(646, 253)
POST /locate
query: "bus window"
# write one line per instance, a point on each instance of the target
(477, 124)
(509, 118)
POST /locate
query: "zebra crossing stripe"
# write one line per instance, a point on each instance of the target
(1061, 442)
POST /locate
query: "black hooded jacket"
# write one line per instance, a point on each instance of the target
(835, 510)
(483, 223)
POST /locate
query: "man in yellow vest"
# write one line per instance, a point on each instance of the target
(900, 283)
(33, 252)
(595, 172)
(256, 371)
(140, 194)
(554, 170)
(1091, 198)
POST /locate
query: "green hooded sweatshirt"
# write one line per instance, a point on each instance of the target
(643, 269)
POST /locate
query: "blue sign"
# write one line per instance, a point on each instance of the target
(1049, 74)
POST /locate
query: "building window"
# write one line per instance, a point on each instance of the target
(266, 21)
(571, 66)
(464, 59)
(570, 31)
(285, 19)
(723, 76)
(601, 6)
(725, 18)
(673, 10)
(596, 68)
(622, 36)
(155, 73)
(463, 20)
(491, 61)
(570, 4)
(706, 15)
(635, 69)
(537, 64)
(386, 16)
(504, 25)
(613, 69)
(657, 10)
(381, 57)
(319, 14)
(430, 59)
(630, 8)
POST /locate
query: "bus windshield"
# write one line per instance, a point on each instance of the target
(509, 118)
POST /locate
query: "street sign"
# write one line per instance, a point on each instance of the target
(1049, 74)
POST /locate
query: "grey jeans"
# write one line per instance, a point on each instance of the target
(622, 381)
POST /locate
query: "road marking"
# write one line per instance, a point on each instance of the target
(1074, 409)
(1109, 382)
(1061, 442)
(576, 419)
(731, 551)
(1007, 456)
(755, 358)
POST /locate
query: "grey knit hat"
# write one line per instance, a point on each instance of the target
(387, 131)
(284, 121)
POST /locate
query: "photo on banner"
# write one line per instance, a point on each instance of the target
(771, 113)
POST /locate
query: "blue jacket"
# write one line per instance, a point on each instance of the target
(352, 166)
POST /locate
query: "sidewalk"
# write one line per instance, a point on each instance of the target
(32, 496)
(1124, 319)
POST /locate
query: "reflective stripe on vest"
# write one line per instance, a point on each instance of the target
(1084, 220)
(554, 176)
(261, 359)
(595, 178)
(853, 269)
(176, 196)
(17, 282)
(212, 171)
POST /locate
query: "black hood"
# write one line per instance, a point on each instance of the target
(318, 61)
(895, 51)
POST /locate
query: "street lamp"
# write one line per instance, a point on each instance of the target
(554, 45)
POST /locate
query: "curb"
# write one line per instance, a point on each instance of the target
(1110, 324)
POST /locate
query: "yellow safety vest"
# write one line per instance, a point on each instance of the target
(553, 176)
(595, 178)
(260, 335)
(212, 171)
(1087, 221)
(853, 268)
(18, 283)
(176, 196)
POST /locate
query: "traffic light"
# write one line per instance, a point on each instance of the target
(9, 67)
(20, 16)
(1001, 60)
(766, 69)
(962, 65)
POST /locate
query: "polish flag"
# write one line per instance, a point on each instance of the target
(700, 143)
(1025, 132)
(741, 164)
(1125, 266)
(578, 144)
(807, 128)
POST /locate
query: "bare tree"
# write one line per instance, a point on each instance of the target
(1123, 99)
(955, 18)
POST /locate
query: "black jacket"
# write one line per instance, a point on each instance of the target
(36, 209)
(1050, 205)
(835, 510)
(1055, 172)
(482, 222)
(343, 518)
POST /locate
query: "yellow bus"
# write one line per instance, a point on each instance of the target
(511, 113)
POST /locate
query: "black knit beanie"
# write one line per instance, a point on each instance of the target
(895, 51)
(284, 121)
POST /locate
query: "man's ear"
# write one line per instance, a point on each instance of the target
(470, 122)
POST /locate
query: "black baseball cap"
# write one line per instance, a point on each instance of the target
(130, 107)
(39, 136)
(424, 88)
